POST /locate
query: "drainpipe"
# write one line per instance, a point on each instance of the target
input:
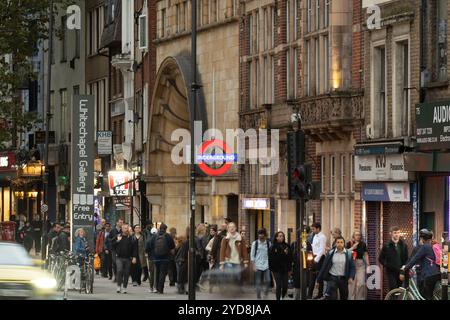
(423, 4)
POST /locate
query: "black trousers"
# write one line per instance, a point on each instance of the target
(114, 265)
(172, 270)
(335, 284)
(136, 273)
(281, 283)
(314, 274)
(428, 286)
(106, 262)
(161, 274)
(123, 271)
(393, 279)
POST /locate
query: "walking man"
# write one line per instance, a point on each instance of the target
(113, 237)
(393, 256)
(259, 255)
(318, 248)
(338, 269)
(161, 246)
(125, 249)
(106, 256)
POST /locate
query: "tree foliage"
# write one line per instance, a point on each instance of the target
(23, 25)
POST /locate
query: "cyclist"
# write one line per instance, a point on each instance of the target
(426, 258)
(63, 239)
(80, 245)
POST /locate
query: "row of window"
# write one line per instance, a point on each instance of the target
(177, 17)
(400, 91)
(329, 172)
(317, 14)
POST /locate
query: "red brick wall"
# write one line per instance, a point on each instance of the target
(357, 46)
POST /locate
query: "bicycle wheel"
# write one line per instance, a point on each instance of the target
(437, 292)
(399, 294)
(88, 281)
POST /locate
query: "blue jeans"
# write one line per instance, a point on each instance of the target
(233, 273)
(265, 274)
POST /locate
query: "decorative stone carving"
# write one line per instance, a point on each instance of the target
(320, 110)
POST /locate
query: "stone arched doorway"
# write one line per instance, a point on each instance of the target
(168, 183)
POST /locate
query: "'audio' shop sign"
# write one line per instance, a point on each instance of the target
(82, 182)
(433, 125)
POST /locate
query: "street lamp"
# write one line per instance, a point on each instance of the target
(194, 87)
(47, 123)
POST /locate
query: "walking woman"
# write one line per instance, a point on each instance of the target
(136, 269)
(280, 263)
(80, 244)
(358, 248)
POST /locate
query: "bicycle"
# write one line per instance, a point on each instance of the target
(87, 274)
(411, 291)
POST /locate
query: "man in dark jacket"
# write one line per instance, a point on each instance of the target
(106, 256)
(126, 252)
(215, 250)
(338, 269)
(52, 236)
(113, 235)
(393, 256)
(161, 246)
(64, 239)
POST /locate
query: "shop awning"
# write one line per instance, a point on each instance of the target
(427, 162)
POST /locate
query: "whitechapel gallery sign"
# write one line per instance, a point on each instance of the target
(383, 167)
(82, 181)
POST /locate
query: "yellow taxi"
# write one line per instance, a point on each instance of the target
(20, 277)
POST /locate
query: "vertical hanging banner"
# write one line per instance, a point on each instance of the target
(83, 153)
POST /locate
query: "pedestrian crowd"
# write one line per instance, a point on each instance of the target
(338, 269)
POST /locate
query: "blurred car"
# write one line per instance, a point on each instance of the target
(20, 278)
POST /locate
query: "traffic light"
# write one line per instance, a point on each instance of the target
(98, 182)
(299, 174)
(301, 182)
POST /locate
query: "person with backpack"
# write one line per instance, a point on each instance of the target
(161, 246)
(259, 256)
(428, 256)
(280, 263)
(393, 256)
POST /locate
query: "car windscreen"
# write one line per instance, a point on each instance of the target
(14, 255)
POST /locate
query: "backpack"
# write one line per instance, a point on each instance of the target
(437, 254)
(161, 245)
(256, 247)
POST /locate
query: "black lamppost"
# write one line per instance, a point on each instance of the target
(47, 124)
(194, 87)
